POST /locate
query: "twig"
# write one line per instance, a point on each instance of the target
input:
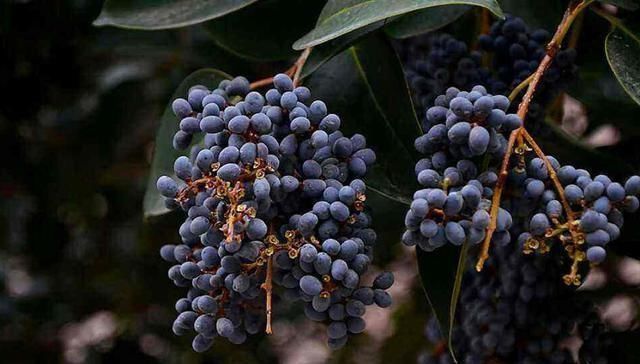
(516, 91)
(576, 238)
(552, 175)
(299, 64)
(293, 72)
(261, 83)
(573, 10)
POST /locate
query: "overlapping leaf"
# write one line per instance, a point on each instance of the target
(366, 87)
(266, 30)
(341, 17)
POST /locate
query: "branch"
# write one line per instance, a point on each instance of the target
(573, 10)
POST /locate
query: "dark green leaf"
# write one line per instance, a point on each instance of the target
(164, 14)
(388, 221)
(341, 17)
(164, 155)
(441, 274)
(365, 85)
(424, 21)
(324, 52)
(623, 53)
(266, 30)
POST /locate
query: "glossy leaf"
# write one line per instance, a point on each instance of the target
(265, 31)
(623, 53)
(164, 14)
(164, 155)
(342, 17)
(423, 21)
(366, 87)
(324, 52)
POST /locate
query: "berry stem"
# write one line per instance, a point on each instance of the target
(299, 64)
(261, 83)
(553, 176)
(268, 289)
(573, 10)
(576, 237)
(294, 72)
(516, 91)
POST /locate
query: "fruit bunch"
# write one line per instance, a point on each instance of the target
(275, 205)
(454, 203)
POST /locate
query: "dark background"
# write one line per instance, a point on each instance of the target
(80, 275)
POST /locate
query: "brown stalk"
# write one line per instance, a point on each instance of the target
(294, 72)
(573, 10)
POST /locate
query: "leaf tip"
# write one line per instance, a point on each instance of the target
(101, 21)
(300, 44)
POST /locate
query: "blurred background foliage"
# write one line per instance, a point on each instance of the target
(80, 276)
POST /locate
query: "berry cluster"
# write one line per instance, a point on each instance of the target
(594, 216)
(517, 52)
(273, 197)
(516, 311)
(435, 62)
(453, 206)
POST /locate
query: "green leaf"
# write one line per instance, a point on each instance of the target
(164, 155)
(324, 52)
(441, 273)
(387, 214)
(164, 14)
(622, 47)
(366, 87)
(423, 21)
(341, 17)
(264, 31)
